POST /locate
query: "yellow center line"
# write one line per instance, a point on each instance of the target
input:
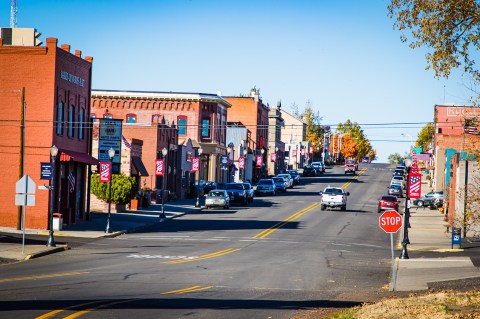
(203, 257)
(269, 231)
(187, 290)
(85, 311)
(49, 315)
(44, 276)
(55, 312)
(355, 177)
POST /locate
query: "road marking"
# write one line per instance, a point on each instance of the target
(85, 311)
(202, 257)
(55, 312)
(269, 231)
(355, 177)
(158, 257)
(44, 276)
(187, 290)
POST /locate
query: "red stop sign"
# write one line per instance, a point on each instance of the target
(390, 221)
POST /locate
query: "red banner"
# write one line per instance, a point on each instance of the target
(294, 153)
(259, 160)
(195, 164)
(310, 149)
(302, 152)
(241, 162)
(414, 185)
(273, 157)
(105, 171)
(160, 167)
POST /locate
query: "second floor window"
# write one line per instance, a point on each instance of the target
(107, 116)
(81, 118)
(206, 128)
(59, 118)
(182, 125)
(71, 120)
(131, 118)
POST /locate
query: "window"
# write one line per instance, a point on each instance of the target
(60, 118)
(93, 116)
(206, 128)
(156, 118)
(81, 119)
(107, 116)
(71, 119)
(182, 125)
(131, 118)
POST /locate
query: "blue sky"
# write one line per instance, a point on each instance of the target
(342, 56)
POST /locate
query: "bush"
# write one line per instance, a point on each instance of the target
(123, 188)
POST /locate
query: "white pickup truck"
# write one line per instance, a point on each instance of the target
(333, 197)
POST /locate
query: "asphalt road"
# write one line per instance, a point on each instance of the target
(272, 259)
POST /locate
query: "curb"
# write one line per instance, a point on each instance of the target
(47, 252)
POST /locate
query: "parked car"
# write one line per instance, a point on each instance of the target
(388, 202)
(309, 171)
(352, 162)
(295, 175)
(237, 193)
(401, 179)
(208, 186)
(280, 184)
(396, 190)
(319, 167)
(250, 192)
(217, 198)
(366, 159)
(427, 199)
(333, 197)
(349, 169)
(399, 172)
(288, 178)
(396, 182)
(266, 186)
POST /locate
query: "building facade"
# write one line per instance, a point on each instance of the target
(293, 135)
(45, 98)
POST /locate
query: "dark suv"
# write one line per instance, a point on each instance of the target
(237, 193)
(309, 171)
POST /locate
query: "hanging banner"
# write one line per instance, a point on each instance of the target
(302, 152)
(259, 160)
(414, 185)
(294, 153)
(195, 164)
(160, 167)
(310, 150)
(241, 162)
(273, 157)
(105, 172)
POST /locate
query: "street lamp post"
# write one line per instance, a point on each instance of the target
(406, 221)
(262, 151)
(245, 152)
(53, 156)
(199, 151)
(165, 172)
(111, 154)
(275, 168)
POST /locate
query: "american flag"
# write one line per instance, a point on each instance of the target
(71, 182)
(471, 130)
(415, 182)
(127, 144)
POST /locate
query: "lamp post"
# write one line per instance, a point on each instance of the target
(199, 151)
(406, 219)
(53, 156)
(262, 151)
(111, 154)
(245, 152)
(165, 172)
(275, 168)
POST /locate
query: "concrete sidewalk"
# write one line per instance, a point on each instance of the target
(120, 223)
(429, 233)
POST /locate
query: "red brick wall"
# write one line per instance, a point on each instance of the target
(452, 190)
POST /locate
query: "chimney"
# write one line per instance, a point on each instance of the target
(78, 53)
(65, 47)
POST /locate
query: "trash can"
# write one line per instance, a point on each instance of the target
(57, 221)
(456, 238)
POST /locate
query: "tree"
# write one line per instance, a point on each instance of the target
(123, 188)
(395, 158)
(349, 147)
(425, 136)
(354, 130)
(315, 131)
(449, 27)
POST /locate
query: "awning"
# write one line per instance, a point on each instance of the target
(67, 156)
(139, 167)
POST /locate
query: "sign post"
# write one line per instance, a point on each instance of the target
(25, 196)
(391, 221)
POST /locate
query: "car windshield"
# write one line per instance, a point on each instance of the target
(351, 162)
(333, 191)
(395, 186)
(234, 186)
(389, 198)
(247, 186)
(284, 176)
(264, 182)
(278, 180)
(292, 172)
(216, 194)
(398, 177)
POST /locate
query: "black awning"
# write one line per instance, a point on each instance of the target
(67, 155)
(139, 167)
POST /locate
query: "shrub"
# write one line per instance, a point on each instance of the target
(123, 188)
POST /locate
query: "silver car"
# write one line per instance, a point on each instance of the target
(217, 198)
(266, 186)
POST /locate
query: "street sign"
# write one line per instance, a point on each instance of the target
(105, 171)
(390, 221)
(414, 185)
(45, 170)
(159, 167)
(25, 191)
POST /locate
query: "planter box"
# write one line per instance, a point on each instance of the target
(134, 204)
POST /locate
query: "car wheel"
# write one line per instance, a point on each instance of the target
(245, 201)
(226, 207)
(379, 211)
(420, 203)
(206, 207)
(344, 208)
(322, 207)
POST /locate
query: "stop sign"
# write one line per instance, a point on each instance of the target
(390, 221)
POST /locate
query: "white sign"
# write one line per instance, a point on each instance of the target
(104, 146)
(110, 130)
(25, 191)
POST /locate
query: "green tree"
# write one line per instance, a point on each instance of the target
(425, 136)
(450, 28)
(123, 188)
(395, 158)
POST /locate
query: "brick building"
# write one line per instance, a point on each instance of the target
(45, 101)
(253, 114)
(200, 117)
(293, 135)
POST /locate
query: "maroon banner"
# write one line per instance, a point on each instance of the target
(241, 162)
(195, 164)
(259, 160)
(105, 172)
(414, 185)
(310, 150)
(160, 167)
(302, 152)
(294, 153)
(273, 157)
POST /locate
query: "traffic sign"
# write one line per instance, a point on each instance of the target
(390, 221)
(25, 191)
